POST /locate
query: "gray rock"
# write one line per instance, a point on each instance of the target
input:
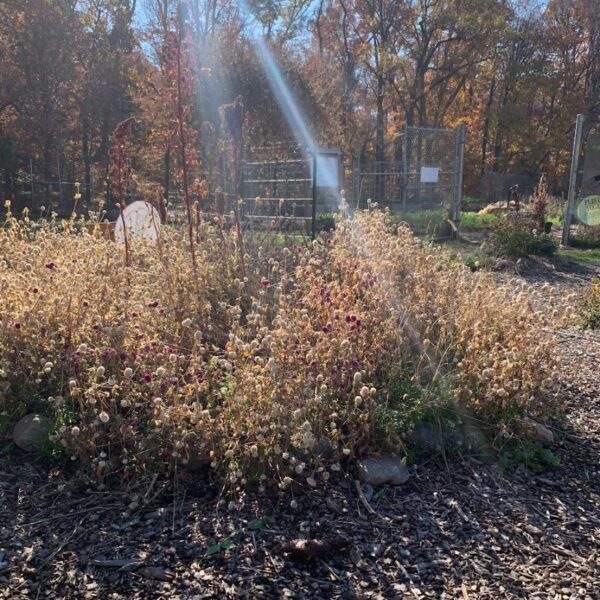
(385, 469)
(544, 434)
(31, 431)
(539, 432)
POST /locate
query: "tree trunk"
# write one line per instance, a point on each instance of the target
(486, 126)
(380, 141)
(166, 185)
(87, 164)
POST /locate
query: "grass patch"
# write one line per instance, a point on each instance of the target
(584, 256)
(472, 221)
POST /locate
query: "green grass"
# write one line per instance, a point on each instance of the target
(586, 256)
(424, 221)
(472, 221)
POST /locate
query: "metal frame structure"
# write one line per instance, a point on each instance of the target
(287, 184)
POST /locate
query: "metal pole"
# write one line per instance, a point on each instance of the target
(462, 134)
(60, 196)
(31, 176)
(314, 195)
(573, 179)
(404, 167)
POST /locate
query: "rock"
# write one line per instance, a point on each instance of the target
(428, 436)
(31, 431)
(543, 434)
(386, 469)
(538, 432)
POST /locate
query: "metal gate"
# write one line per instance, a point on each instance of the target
(278, 185)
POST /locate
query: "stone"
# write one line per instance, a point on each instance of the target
(428, 436)
(384, 469)
(31, 431)
(538, 432)
(542, 434)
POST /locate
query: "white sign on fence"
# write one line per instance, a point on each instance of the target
(430, 174)
(328, 169)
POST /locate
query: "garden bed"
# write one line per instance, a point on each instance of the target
(461, 525)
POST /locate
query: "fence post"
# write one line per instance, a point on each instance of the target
(573, 179)
(404, 167)
(31, 176)
(462, 134)
(314, 195)
(60, 194)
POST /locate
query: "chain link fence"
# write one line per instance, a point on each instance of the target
(292, 188)
(424, 186)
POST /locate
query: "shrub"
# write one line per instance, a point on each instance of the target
(539, 203)
(516, 238)
(589, 239)
(590, 306)
(325, 222)
(267, 377)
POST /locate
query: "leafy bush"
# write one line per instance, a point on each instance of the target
(589, 239)
(529, 454)
(325, 222)
(478, 260)
(516, 238)
(266, 371)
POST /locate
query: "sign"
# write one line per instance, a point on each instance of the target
(590, 185)
(141, 220)
(588, 210)
(328, 170)
(430, 174)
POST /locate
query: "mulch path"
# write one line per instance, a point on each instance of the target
(457, 529)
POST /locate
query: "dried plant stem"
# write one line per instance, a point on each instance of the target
(119, 184)
(183, 153)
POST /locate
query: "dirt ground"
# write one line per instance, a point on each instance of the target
(458, 529)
